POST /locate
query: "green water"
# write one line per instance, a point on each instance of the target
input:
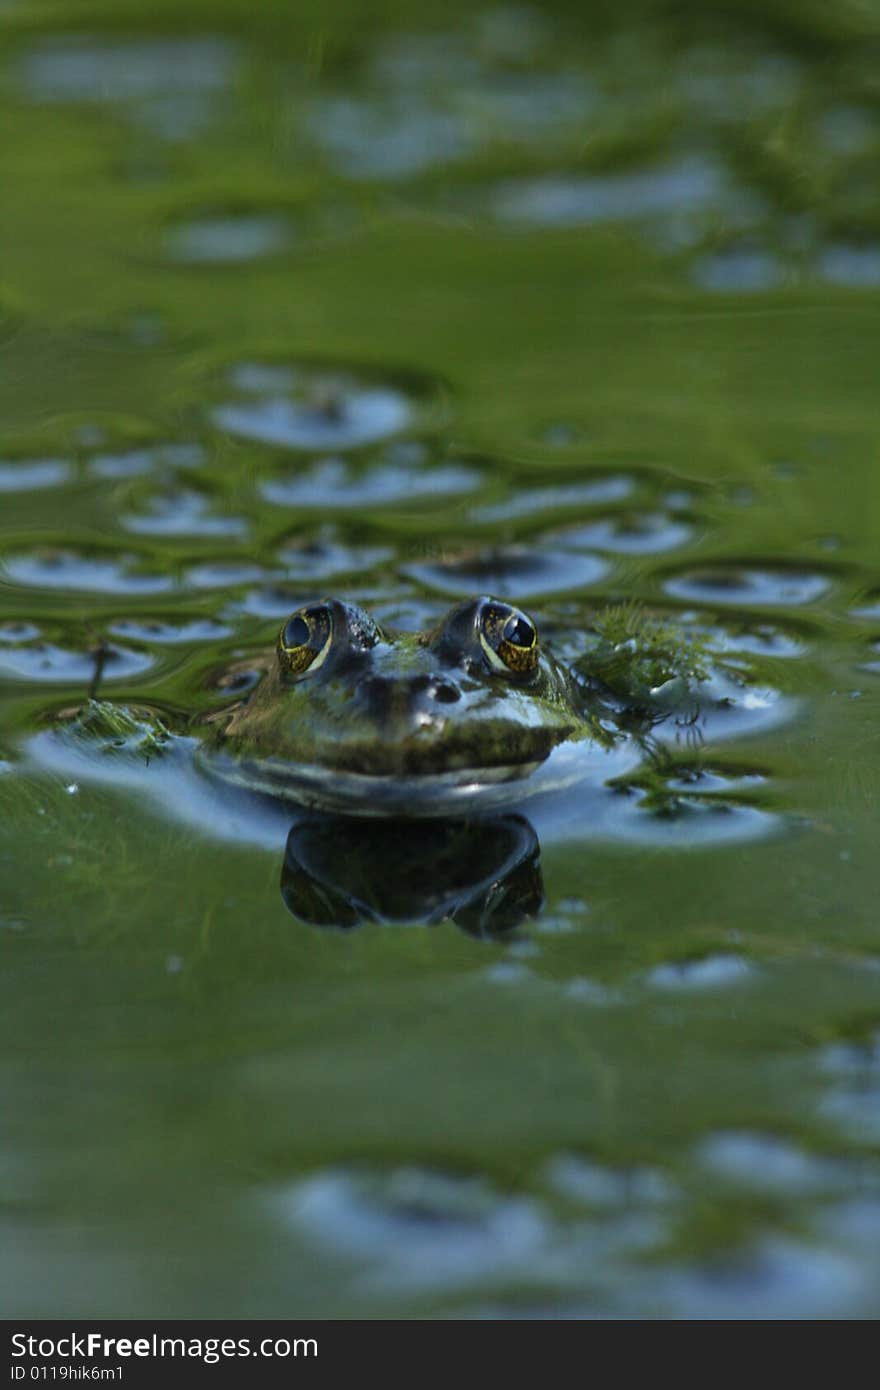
(639, 251)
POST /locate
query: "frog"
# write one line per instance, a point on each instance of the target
(475, 714)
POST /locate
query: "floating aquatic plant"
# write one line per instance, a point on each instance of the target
(646, 660)
(120, 728)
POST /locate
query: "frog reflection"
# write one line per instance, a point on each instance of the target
(483, 875)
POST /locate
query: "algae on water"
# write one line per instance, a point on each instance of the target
(646, 660)
(121, 729)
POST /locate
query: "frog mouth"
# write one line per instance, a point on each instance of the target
(375, 793)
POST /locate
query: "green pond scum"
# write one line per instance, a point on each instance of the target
(517, 365)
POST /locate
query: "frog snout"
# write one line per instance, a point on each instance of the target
(408, 695)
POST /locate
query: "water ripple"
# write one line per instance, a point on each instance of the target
(315, 408)
(51, 568)
(335, 484)
(749, 587)
(31, 475)
(514, 572)
(43, 661)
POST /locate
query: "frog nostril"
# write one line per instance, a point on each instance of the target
(380, 693)
(438, 688)
(443, 691)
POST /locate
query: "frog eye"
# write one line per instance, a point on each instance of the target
(305, 639)
(509, 639)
